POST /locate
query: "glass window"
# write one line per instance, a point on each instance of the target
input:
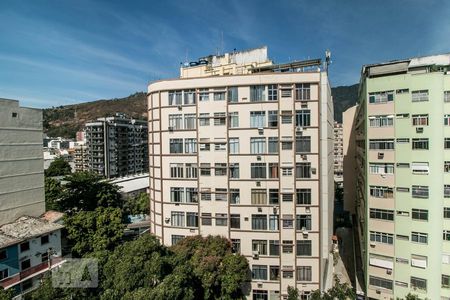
(273, 144)
(190, 145)
(274, 248)
(259, 222)
(303, 170)
(219, 95)
(418, 283)
(273, 170)
(273, 196)
(257, 119)
(259, 272)
(191, 195)
(257, 145)
(303, 196)
(419, 120)
(206, 219)
(303, 91)
(258, 170)
(190, 121)
(176, 121)
(176, 145)
(274, 222)
(257, 93)
(382, 214)
(381, 97)
(420, 144)
(381, 121)
(259, 246)
(189, 97)
(220, 169)
(234, 196)
(382, 237)
(233, 94)
(221, 219)
(303, 222)
(381, 192)
(419, 96)
(177, 218)
(419, 237)
(205, 169)
(273, 118)
(236, 245)
(234, 170)
(191, 170)
(177, 194)
(204, 119)
(274, 273)
(381, 282)
(288, 221)
(286, 117)
(221, 194)
(273, 92)
(176, 170)
(219, 119)
(303, 118)
(175, 97)
(304, 248)
(259, 196)
(234, 119)
(304, 273)
(203, 95)
(233, 144)
(302, 144)
(419, 191)
(235, 221)
(192, 219)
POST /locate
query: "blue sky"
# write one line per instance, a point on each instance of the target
(63, 52)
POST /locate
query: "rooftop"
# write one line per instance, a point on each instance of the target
(132, 183)
(25, 228)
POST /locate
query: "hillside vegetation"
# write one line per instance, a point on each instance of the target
(66, 120)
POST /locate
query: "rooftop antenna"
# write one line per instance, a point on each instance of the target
(327, 59)
(221, 42)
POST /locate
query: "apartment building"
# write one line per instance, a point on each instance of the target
(21, 161)
(248, 157)
(402, 133)
(116, 146)
(81, 158)
(338, 151)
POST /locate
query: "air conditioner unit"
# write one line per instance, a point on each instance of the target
(304, 157)
(372, 245)
(378, 291)
(304, 231)
(419, 129)
(167, 220)
(179, 107)
(298, 129)
(170, 128)
(380, 155)
(260, 130)
(255, 254)
(259, 209)
(275, 209)
(258, 183)
(389, 271)
(260, 284)
(258, 157)
(307, 209)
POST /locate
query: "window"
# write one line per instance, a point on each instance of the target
(447, 166)
(219, 119)
(260, 246)
(381, 282)
(234, 119)
(220, 145)
(286, 117)
(273, 118)
(233, 145)
(381, 97)
(303, 118)
(221, 219)
(304, 248)
(234, 196)
(419, 237)
(259, 272)
(260, 295)
(25, 264)
(447, 212)
(176, 238)
(382, 214)
(419, 96)
(176, 145)
(272, 92)
(175, 97)
(219, 95)
(273, 170)
(192, 219)
(420, 144)
(189, 97)
(446, 235)
(381, 121)
(403, 140)
(274, 248)
(303, 170)
(236, 245)
(259, 222)
(381, 192)
(233, 94)
(286, 171)
(206, 219)
(220, 169)
(176, 121)
(304, 273)
(381, 144)
(303, 222)
(418, 283)
(286, 91)
(206, 195)
(234, 170)
(419, 214)
(205, 169)
(419, 191)
(257, 145)
(191, 195)
(288, 221)
(445, 281)
(189, 121)
(4, 274)
(3, 254)
(419, 261)
(203, 119)
(303, 91)
(45, 239)
(176, 170)
(288, 246)
(177, 218)
(259, 196)
(190, 145)
(446, 191)
(274, 273)
(303, 196)
(273, 196)
(446, 96)
(257, 93)
(402, 189)
(288, 274)
(419, 120)
(235, 221)
(302, 144)
(191, 170)
(176, 194)
(203, 95)
(258, 170)
(14, 115)
(287, 197)
(420, 168)
(274, 222)
(24, 246)
(221, 194)
(286, 145)
(446, 143)
(273, 144)
(382, 237)
(257, 119)
(205, 146)
(381, 168)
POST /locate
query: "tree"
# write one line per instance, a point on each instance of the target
(91, 231)
(87, 191)
(58, 167)
(137, 205)
(53, 194)
(412, 297)
(6, 294)
(339, 291)
(293, 293)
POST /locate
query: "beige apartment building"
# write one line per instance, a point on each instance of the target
(243, 148)
(21, 161)
(338, 151)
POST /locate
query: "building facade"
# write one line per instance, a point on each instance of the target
(338, 151)
(21, 161)
(248, 157)
(117, 146)
(403, 177)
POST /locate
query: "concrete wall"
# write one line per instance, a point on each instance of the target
(349, 140)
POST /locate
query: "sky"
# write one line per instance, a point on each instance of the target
(64, 52)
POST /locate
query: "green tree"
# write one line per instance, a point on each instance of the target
(58, 167)
(137, 205)
(53, 194)
(92, 231)
(293, 293)
(6, 294)
(341, 291)
(412, 297)
(87, 191)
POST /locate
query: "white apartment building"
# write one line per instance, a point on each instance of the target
(338, 151)
(21, 161)
(248, 155)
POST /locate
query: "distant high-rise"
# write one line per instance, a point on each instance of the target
(116, 146)
(242, 148)
(338, 151)
(21, 161)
